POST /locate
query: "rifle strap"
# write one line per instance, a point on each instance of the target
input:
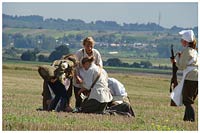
(99, 74)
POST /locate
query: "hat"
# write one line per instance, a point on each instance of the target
(187, 35)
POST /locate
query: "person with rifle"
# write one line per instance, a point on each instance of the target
(187, 60)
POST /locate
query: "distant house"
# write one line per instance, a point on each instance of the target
(113, 52)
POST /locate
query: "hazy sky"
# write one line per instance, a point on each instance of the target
(179, 14)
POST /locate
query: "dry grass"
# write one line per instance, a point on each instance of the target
(149, 96)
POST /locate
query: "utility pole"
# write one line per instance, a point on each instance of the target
(159, 18)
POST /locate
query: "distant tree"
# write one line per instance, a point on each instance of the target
(5, 40)
(163, 50)
(146, 64)
(125, 65)
(43, 58)
(48, 43)
(36, 50)
(20, 41)
(79, 37)
(31, 41)
(12, 51)
(65, 38)
(28, 56)
(31, 18)
(135, 64)
(59, 52)
(113, 62)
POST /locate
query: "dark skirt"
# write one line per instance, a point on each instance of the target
(190, 91)
(60, 94)
(93, 106)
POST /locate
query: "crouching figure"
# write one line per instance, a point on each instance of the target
(120, 103)
(94, 80)
(57, 85)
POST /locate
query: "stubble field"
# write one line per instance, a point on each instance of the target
(149, 95)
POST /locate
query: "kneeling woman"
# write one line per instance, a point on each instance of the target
(95, 80)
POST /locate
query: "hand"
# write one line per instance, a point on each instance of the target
(53, 80)
(173, 61)
(81, 90)
(78, 80)
(179, 54)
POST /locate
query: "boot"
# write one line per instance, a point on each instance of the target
(191, 114)
(186, 115)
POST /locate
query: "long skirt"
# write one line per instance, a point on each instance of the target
(189, 92)
(93, 106)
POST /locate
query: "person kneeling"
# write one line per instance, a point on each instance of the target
(120, 103)
(95, 80)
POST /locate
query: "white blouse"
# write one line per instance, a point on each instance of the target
(100, 91)
(80, 54)
(116, 87)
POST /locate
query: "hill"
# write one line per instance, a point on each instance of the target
(38, 22)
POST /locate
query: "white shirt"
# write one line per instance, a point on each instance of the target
(116, 87)
(80, 54)
(100, 91)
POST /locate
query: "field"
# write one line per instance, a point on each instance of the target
(59, 33)
(149, 95)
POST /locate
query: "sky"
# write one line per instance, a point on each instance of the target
(171, 13)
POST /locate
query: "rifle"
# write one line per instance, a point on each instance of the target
(174, 81)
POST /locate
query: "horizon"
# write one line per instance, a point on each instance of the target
(97, 20)
(164, 14)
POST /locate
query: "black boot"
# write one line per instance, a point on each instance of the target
(186, 115)
(189, 114)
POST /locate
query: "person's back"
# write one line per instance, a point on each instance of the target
(118, 91)
(116, 87)
(120, 103)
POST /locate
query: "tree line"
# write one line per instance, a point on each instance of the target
(38, 22)
(31, 55)
(34, 55)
